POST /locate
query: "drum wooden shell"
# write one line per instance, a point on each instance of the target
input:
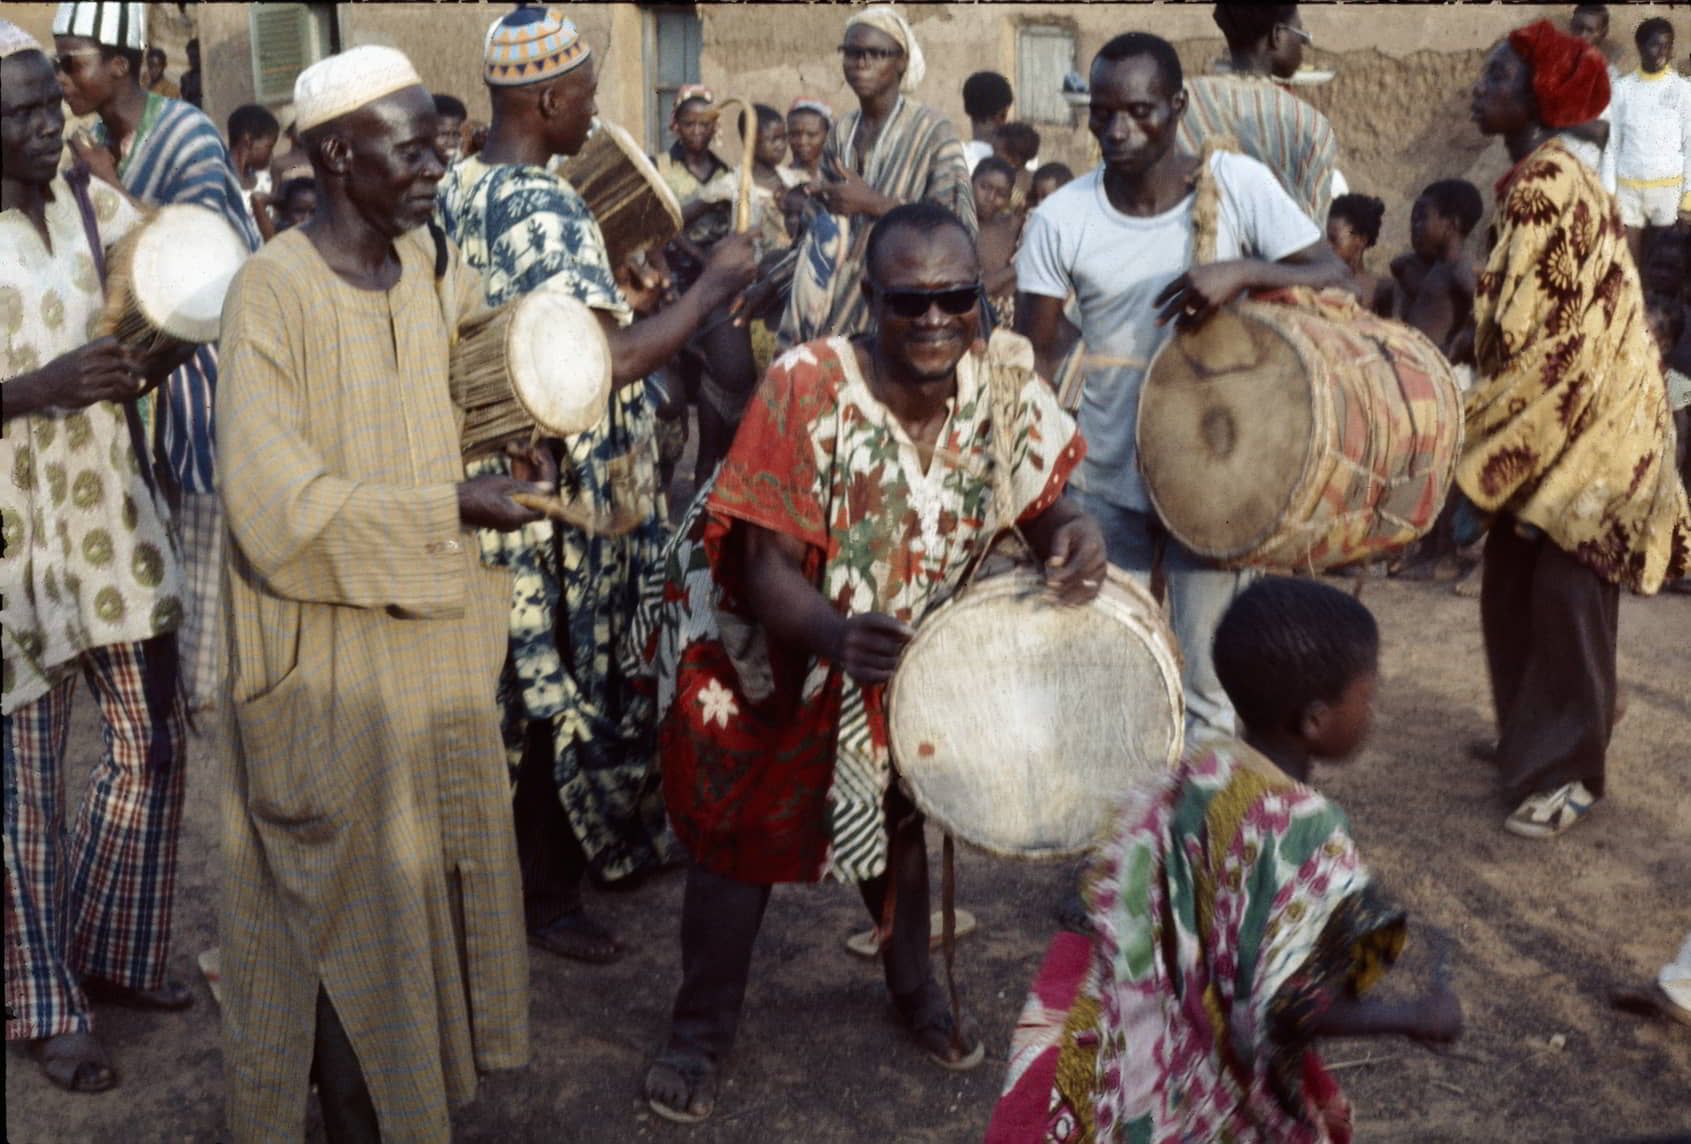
(1299, 432)
(538, 364)
(167, 279)
(1018, 723)
(634, 207)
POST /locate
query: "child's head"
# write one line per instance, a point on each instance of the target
(771, 145)
(1353, 225)
(987, 98)
(1047, 180)
(1590, 22)
(1016, 143)
(1299, 660)
(296, 203)
(1654, 39)
(450, 114)
(808, 121)
(992, 182)
(694, 122)
(252, 134)
(1443, 216)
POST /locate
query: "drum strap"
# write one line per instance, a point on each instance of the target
(76, 178)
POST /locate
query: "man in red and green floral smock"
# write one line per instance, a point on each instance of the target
(860, 489)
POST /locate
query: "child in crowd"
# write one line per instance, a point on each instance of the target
(1047, 180)
(1436, 278)
(1353, 227)
(1000, 230)
(808, 121)
(1018, 145)
(1235, 923)
(253, 132)
(450, 114)
(987, 97)
(295, 203)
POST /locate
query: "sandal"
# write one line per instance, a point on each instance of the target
(170, 997)
(75, 1062)
(578, 937)
(690, 1096)
(927, 1017)
(1549, 814)
(1649, 1001)
(863, 943)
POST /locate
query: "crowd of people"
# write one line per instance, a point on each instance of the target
(450, 714)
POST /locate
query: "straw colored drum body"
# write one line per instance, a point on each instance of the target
(167, 280)
(634, 207)
(1299, 431)
(1018, 722)
(537, 365)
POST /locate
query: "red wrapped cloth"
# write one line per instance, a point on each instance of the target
(1570, 78)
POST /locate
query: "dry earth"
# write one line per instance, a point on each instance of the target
(1541, 930)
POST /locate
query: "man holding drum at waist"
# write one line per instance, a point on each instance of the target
(858, 492)
(1122, 240)
(580, 738)
(371, 917)
(88, 586)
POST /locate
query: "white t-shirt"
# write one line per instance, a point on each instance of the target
(974, 151)
(1115, 264)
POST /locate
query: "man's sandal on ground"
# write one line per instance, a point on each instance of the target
(863, 943)
(1549, 814)
(75, 1062)
(681, 1087)
(927, 1017)
(578, 937)
(170, 997)
(1649, 1000)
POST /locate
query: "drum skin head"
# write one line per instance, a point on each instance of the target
(559, 362)
(1225, 422)
(1018, 723)
(644, 165)
(185, 258)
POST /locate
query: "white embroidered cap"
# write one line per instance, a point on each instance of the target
(330, 88)
(14, 39)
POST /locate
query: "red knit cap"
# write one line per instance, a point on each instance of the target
(1569, 76)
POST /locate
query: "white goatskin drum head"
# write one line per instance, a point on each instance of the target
(559, 362)
(185, 258)
(1019, 723)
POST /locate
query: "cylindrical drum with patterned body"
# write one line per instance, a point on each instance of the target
(634, 207)
(1018, 722)
(1299, 431)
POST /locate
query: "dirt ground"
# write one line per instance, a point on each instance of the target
(1541, 930)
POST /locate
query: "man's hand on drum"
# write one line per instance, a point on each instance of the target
(485, 502)
(1189, 300)
(535, 463)
(870, 644)
(1071, 544)
(162, 361)
(644, 285)
(102, 370)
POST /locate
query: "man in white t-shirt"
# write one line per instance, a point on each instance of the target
(1120, 238)
(1647, 164)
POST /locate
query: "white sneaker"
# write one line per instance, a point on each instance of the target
(1549, 814)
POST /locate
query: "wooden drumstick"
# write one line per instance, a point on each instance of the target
(748, 159)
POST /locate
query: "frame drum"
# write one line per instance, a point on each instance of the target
(1018, 723)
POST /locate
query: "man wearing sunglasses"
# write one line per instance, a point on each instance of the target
(859, 490)
(1121, 239)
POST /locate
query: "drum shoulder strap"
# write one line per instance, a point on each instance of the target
(76, 178)
(1206, 210)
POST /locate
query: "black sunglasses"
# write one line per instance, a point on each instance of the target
(855, 54)
(908, 304)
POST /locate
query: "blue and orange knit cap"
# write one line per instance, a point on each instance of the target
(530, 45)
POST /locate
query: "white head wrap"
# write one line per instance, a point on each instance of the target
(885, 18)
(14, 39)
(114, 25)
(332, 87)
